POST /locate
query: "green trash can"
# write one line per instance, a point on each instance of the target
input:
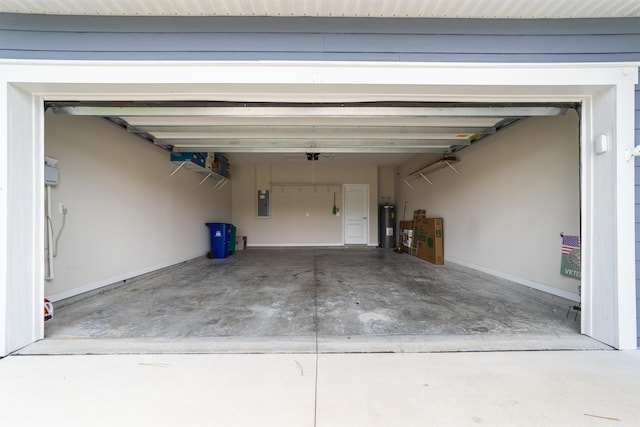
(232, 241)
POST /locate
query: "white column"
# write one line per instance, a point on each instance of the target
(625, 297)
(22, 206)
(4, 215)
(608, 244)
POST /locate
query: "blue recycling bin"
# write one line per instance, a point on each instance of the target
(220, 237)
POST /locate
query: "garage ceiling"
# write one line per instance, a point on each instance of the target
(331, 129)
(496, 9)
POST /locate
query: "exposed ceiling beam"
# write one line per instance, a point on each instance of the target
(324, 130)
(331, 134)
(298, 127)
(306, 111)
(291, 149)
(379, 121)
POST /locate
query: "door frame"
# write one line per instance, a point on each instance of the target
(606, 92)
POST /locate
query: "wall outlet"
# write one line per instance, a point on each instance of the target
(62, 208)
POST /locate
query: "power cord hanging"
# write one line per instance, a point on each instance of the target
(64, 221)
(58, 234)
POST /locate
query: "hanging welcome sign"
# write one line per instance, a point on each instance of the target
(570, 264)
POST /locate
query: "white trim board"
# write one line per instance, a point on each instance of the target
(307, 245)
(294, 245)
(130, 275)
(519, 280)
(606, 92)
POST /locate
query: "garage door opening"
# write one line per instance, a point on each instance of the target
(317, 298)
(605, 91)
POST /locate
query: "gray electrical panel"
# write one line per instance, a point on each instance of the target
(51, 175)
(263, 203)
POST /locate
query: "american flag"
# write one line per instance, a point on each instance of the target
(569, 243)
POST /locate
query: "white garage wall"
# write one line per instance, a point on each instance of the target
(126, 215)
(386, 187)
(518, 191)
(289, 223)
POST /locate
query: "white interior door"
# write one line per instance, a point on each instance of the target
(356, 214)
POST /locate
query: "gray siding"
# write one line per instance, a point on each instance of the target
(217, 38)
(328, 39)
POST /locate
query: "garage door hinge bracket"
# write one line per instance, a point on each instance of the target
(628, 154)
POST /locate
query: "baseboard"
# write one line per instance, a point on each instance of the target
(519, 280)
(111, 280)
(293, 245)
(303, 245)
(129, 275)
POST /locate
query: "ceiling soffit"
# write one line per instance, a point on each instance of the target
(483, 9)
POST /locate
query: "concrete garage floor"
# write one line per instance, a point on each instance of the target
(274, 301)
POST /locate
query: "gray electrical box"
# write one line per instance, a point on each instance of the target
(263, 203)
(51, 175)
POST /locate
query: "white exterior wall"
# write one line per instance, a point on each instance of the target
(126, 215)
(519, 190)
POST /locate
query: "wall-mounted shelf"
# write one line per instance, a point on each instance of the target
(282, 185)
(197, 162)
(435, 165)
(441, 163)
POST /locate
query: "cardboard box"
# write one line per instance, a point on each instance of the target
(241, 243)
(406, 225)
(429, 237)
(406, 232)
(407, 238)
(221, 165)
(198, 159)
